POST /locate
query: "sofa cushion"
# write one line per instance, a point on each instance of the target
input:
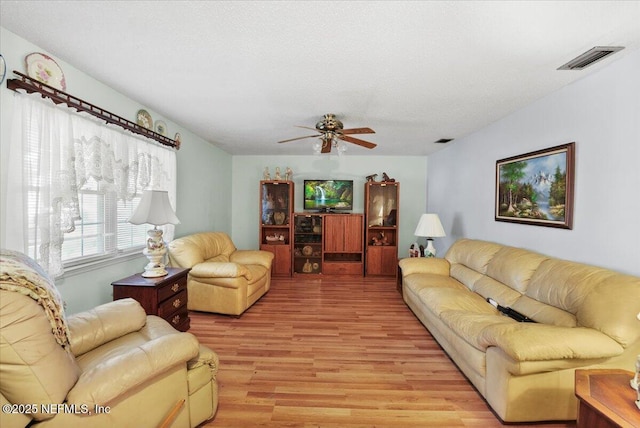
(34, 368)
(219, 270)
(104, 323)
(256, 274)
(193, 249)
(592, 294)
(543, 313)
(533, 342)
(469, 325)
(110, 375)
(465, 275)
(472, 254)
(440, 299)
(489, 288)
(418, 281)
(604, 310)
(514, 267)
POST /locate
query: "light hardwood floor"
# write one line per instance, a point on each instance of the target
(336, 352)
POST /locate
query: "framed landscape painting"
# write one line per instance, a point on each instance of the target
(537, 188)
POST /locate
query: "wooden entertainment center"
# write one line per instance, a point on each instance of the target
(315, 243)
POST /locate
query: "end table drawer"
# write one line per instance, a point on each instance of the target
(173, 304)
(179, 320)
(173, 288)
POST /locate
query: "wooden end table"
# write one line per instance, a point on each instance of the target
(164, 296)
(606, 399)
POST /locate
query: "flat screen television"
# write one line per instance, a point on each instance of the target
(328, 195)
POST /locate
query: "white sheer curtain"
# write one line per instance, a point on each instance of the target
(54, 151)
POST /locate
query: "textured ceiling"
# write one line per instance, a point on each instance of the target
(242, 74)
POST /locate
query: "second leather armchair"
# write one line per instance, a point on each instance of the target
(222, 279)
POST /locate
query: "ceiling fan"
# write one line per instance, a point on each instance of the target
(330, 130)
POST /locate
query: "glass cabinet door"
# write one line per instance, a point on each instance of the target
(382, 206)
(276, 203)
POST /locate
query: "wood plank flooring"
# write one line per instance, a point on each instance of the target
(336, 352)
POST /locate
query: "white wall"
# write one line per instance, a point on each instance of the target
(601, 113)
(247, 173)
(203, 171)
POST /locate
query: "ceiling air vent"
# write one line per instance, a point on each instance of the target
(591, 56)
(443, 140)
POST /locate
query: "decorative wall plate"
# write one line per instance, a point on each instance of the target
(3, 68)
(143, 118)
(44, 69)
(161, 127)
(307, 250)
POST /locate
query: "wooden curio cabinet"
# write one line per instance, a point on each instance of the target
(382, 203)
(276, 217)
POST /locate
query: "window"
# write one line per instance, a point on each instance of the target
(103, 229)
(75, 181)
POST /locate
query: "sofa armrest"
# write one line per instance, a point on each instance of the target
(112, 378)
(433, 265)
(90, 329)
(541, 342)
(252, 257)
(206, 357)
(219, 270)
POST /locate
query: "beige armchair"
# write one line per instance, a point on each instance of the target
(110, 366)
(222, 278)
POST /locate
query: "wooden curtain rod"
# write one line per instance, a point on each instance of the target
(59, 97)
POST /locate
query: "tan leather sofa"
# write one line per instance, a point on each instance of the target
(586, 317)
(119, 367)
(222, 278)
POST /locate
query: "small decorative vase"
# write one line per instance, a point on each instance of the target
(307, 267)
(279, 217)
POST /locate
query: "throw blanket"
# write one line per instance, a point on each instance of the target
(22, 274)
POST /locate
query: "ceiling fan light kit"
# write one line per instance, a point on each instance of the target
(332, 135)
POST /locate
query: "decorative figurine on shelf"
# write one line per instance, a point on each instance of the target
(371, 178)
(288, 174)
(413, 250)
(383, 239)
(386, 179)
(265, 174)
(307, 267)
(278, 177)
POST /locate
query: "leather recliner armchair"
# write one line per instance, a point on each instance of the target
(117, 367)
(222, 278)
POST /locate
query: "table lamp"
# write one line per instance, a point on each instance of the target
(430, 227)
(155, 209)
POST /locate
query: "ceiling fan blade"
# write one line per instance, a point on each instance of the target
(357, 141)
(326, 146)
(306, 127)
(358, 131)
(298, 138)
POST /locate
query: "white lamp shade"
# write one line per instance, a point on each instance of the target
(429, 226)
(155, 209)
